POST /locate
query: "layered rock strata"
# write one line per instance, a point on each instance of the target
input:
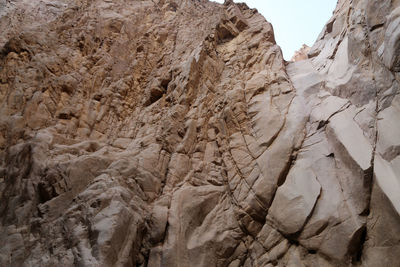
(172, 133)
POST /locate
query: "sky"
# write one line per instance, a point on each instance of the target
(295, 22)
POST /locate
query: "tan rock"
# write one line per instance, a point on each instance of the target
(173, 133)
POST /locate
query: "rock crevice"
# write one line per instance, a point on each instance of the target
(173, 133)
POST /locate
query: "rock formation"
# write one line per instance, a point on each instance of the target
(172, 133)
(301, 54)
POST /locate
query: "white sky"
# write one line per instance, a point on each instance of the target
(296, 22)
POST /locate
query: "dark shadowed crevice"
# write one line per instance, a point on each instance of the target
(377, 26)
(356, 245)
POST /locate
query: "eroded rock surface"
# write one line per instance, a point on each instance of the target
(301, 54)
(172, 133)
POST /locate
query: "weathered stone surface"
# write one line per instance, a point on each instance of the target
(347, 133)
(391, 43)
(301, 54)
(294, 201)
(172, 133)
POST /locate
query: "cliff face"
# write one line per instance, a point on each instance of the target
(172, 133)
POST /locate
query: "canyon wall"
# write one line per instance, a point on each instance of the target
(173, 133)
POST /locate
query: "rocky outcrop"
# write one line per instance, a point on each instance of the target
(359, 91)
(301, 54)
(172, 133)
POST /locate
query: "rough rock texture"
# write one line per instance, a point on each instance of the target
(301, 54)
(172, 133)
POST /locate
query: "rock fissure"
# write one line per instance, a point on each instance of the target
(161, 136)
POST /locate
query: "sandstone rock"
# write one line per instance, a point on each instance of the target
(301, 54)
(391, 43)
(172, 133)
(294, 201)
(347, 133)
